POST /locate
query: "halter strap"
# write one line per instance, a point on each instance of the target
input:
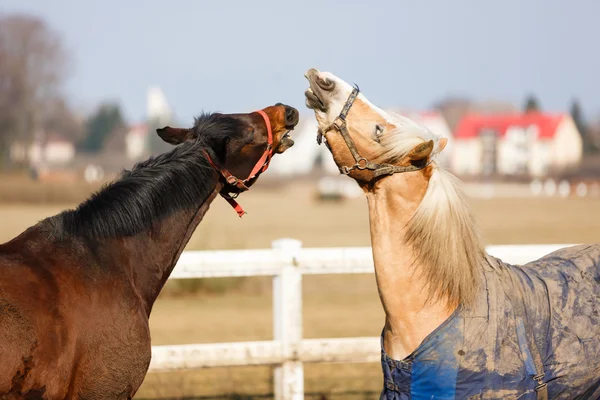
(339, 124)
(261, 165)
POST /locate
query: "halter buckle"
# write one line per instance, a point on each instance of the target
(338, 122)
(386, 169)
(232, 180)
(362, 163)
(345, 170)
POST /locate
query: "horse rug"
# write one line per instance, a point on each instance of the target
(534, 333)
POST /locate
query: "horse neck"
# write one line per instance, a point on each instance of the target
(136, 227)
(153, 254)
(410, 316)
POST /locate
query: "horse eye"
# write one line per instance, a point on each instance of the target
(377, 133)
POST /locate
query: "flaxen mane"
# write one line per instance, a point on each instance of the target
(155, 188)
(442, 232)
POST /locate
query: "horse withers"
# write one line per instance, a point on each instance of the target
(77, 289)
(459, 323)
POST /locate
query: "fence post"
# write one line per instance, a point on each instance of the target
(287, 322)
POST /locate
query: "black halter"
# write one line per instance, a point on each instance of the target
(361, 163)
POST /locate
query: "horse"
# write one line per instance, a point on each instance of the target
(77, 289)
(459, 323)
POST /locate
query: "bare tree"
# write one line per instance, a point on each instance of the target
(32, 70)
(58, 117)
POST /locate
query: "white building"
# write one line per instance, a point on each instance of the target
(53, 149)
(304, 156)
(531, 144)
(135, 141)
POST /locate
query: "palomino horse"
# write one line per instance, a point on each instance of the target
(77, 289)
(459, 324)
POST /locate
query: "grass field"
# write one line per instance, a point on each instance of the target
(343, 306)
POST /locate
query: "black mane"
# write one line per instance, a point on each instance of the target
(155, 188)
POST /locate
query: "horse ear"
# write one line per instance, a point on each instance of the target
(441, 145)
(421, 151)
(174, 135)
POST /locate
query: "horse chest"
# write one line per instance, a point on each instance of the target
(115, 361)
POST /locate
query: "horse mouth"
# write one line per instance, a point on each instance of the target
(287, 139)
(285, 143)
(315, 94)
(313, 101)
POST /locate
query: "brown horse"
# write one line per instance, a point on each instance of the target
(77, 289)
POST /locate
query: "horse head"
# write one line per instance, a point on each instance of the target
(366, 142)
(240, 146)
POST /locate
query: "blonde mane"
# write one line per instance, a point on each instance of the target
(442, 233)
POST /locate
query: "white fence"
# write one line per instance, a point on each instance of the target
(286, 262)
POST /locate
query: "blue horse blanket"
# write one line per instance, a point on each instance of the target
(534, 333)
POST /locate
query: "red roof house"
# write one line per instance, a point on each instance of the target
(531, 143)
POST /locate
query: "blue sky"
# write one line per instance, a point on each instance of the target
(237, 55)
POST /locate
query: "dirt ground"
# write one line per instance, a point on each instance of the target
(342, 307)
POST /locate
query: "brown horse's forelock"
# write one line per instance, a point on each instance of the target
(155, 188)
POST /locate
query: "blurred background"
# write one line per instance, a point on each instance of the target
(513, 84)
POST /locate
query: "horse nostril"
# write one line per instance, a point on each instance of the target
(325, 84)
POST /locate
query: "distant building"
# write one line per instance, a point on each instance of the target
(529, 144)
(135, 141)
(157, 107)
(305, 156)
(50, 149)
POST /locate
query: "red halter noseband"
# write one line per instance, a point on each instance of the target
(261, 165)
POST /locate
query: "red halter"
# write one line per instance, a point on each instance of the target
(261, 165)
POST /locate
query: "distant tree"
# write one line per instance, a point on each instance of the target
(577, 115)
(593, 133)
(531, 104)
(32, 70)
(58, 117)
(106, 120)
